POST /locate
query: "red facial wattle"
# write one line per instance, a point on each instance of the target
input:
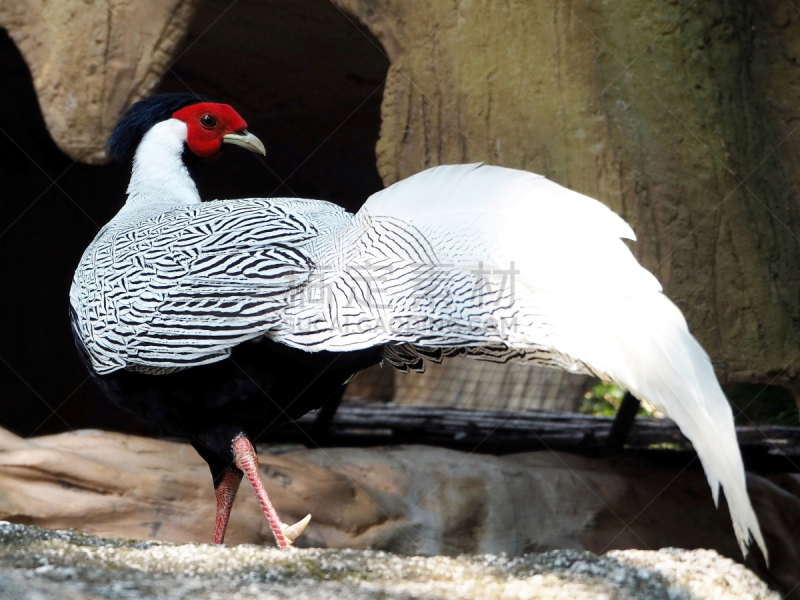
(206, 124)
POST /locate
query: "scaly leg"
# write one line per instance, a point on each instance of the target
(226, 494)
(246, 460)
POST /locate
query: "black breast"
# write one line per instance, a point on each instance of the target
(261, 384)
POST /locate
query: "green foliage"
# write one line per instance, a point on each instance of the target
(667, 446)
(605, 398)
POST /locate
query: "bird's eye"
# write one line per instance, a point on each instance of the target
(208, 121)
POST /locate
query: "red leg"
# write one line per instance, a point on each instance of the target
(226, 494)
(247, 460)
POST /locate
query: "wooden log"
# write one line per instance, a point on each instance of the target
(504, 432)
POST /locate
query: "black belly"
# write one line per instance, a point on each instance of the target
(261, 384)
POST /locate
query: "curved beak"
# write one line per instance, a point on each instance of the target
(245, 139)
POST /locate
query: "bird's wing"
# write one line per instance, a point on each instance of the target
(509, 264)
(183, 287)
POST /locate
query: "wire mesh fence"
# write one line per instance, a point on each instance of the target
(464, 383)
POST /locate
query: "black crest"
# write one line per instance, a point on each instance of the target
(140, 117)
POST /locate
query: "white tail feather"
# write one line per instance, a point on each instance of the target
(660, 361)
(581, 279)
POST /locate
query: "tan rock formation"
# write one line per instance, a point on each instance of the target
(411, 500)
(680, 117)
(90, 60)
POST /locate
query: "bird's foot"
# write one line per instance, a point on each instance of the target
(246, 461)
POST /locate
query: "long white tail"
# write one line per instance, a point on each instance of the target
(580, 292)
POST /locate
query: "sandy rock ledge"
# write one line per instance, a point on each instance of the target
(37, 564)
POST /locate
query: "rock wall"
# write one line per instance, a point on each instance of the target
(90, 60)
(682, 117)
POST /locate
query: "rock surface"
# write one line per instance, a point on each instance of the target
(681, 117)
(409, 500)
(91, 60)
(41, 565)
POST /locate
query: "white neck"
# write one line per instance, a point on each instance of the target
(159, 176)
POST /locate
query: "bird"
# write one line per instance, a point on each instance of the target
(218, 318)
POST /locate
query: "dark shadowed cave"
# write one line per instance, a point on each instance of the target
(310, 86)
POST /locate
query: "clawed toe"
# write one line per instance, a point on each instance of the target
(292, 532)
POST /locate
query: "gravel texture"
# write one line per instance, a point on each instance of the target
(36, 564)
